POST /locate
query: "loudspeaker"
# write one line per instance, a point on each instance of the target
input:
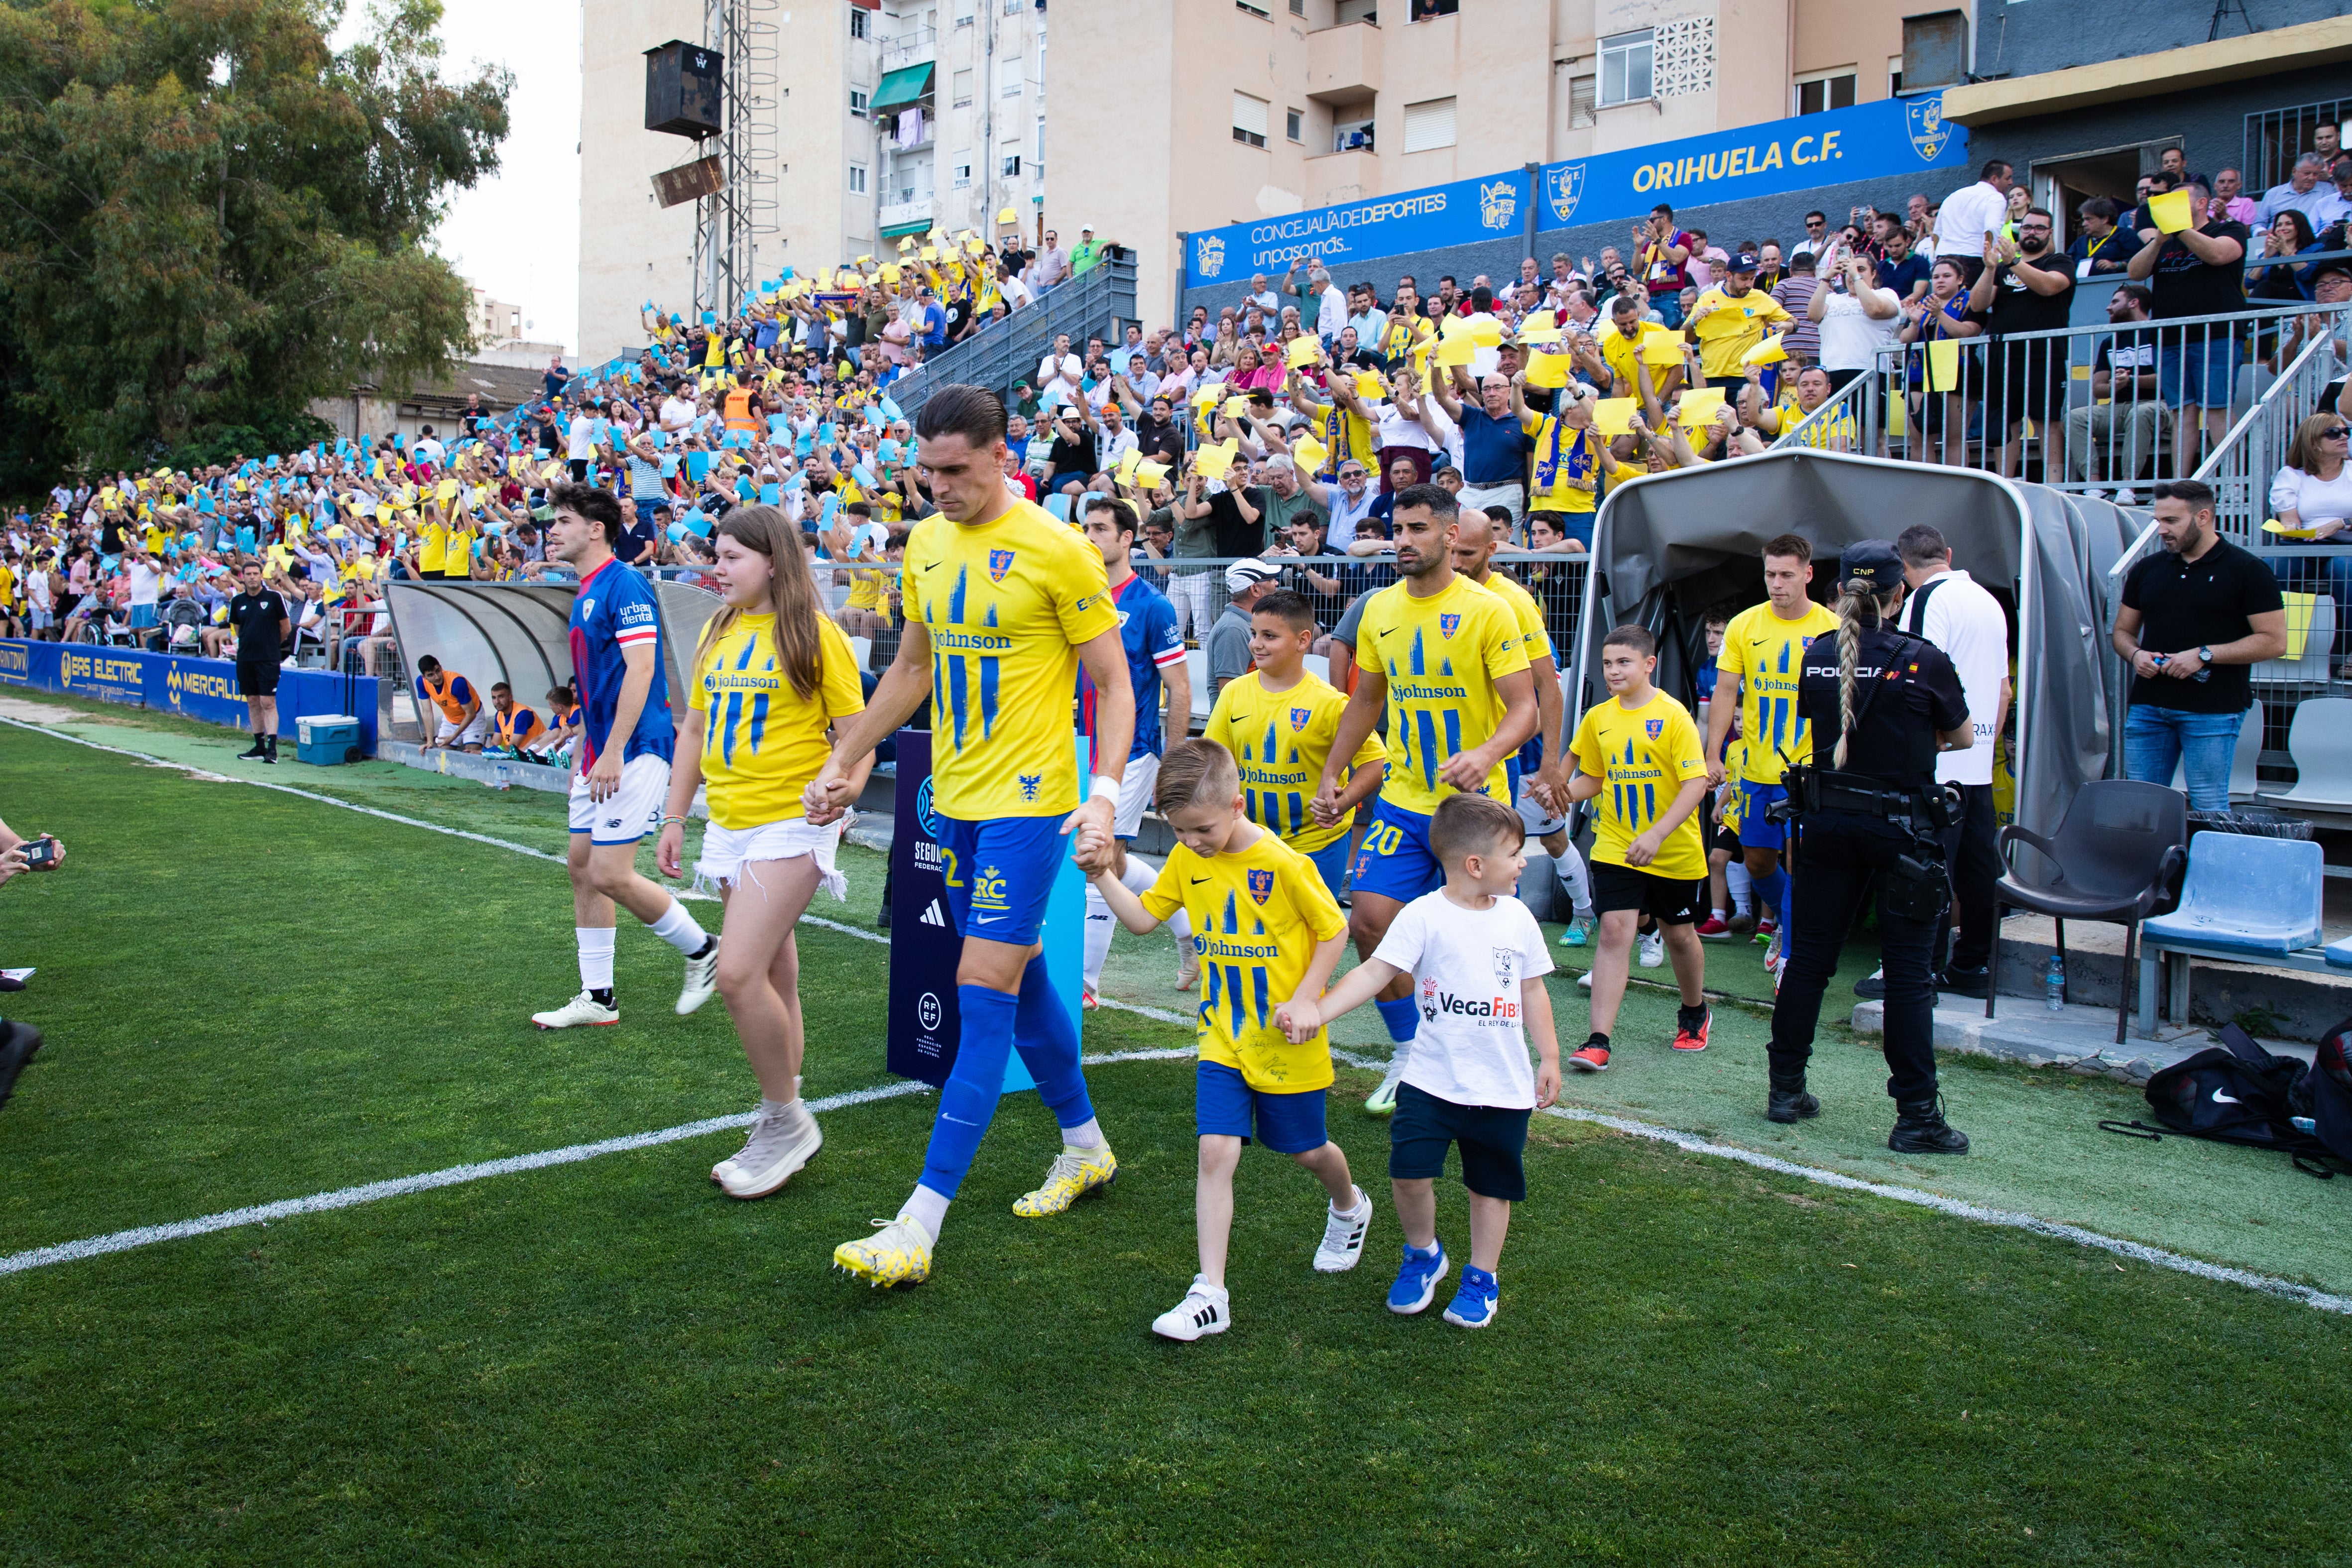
(683, 88)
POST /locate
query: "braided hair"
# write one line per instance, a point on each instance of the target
(1858, 610)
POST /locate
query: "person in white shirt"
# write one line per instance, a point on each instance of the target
(2306, 191)
(1856, 317)
(1959, 616)
(1261, 295)
(1332, 311)
(676, 410)
(1968, 215)
(144, 576)
(428, 447)
(1059, 374)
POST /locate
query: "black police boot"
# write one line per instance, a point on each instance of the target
(17, 1043)
(1964, 982)
(1920, 1128)
(1790, 1104)
(1871, 987)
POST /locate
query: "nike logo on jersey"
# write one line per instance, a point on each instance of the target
(1198, 880)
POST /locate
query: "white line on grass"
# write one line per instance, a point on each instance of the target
(2007, 1218)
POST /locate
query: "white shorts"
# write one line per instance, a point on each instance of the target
(1136, 788)
(1538, 822)
(630, 812)
(725, 850)
(469, 734)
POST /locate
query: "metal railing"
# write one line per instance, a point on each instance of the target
(1001, 353)
(2276, 137)
(1858, 397)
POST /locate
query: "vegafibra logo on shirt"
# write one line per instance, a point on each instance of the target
(1499, 1011)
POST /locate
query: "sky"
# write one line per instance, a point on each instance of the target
(517, 234)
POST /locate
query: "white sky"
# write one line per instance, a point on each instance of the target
(517, 234)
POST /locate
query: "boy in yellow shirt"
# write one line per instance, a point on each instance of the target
(1269, 934)
(1641, 751)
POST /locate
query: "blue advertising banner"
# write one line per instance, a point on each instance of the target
(1885, 140)
(200, 689)
(1882, 141)
(1379, 225)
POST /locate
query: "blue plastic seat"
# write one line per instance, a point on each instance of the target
(2254, 897)
(2339, 953)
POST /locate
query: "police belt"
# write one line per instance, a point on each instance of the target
(1813, 790)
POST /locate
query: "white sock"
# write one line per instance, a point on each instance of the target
(595, 956)
(1355, 1208)
(795, 1110)
(680, 930)
(1719, 912)
(1742, 885)
(1569, 866)
(1087, 1134)
(1099, 924)
(927, 1209)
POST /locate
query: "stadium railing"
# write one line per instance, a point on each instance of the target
(1101, 302)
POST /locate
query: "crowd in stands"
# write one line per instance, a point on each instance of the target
(1275, 426)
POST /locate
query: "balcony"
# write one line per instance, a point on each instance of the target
(1343, 64)
(1334, 177)
(913, 48)
(911, 216)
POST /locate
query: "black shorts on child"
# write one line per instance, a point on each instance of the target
(1493, 1140)
(1674, 902)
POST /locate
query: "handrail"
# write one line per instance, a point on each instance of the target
(1826, 412)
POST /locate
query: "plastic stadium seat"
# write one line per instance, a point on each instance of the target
(1059, 505)
(2339, 953)
(2116, 858)
(863, 648)
(2318, 646)
(1196, 665)
(2320, 741)
(2255, 898)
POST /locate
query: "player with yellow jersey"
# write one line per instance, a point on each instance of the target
(1269, 934)
(1003, 603)
(771, 676)
(1279, 721)
(1638, 753)
(1442, 657)
(1756, 676)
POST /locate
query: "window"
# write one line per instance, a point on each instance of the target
(1820, 90)
(1894, 75)
(963, 90)
(1351, 136)
(1255, 8)
(858, 179)
(1293, 124)
(1041, 144)
(1625, 67)
(1429, 125)
(963, 13)
(857, 23)
(857, 103)
(1423, 10)
(1012, 167)
(1041, 67)
(1013, 7)
(1249, 120)
(962, 167)
(1581, 96)
(1008, 78)
(1298, 7)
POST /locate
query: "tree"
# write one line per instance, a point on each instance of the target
(208, 216)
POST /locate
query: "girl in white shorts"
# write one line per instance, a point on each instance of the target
(771, 676)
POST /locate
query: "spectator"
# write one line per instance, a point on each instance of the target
(2314, 491)
(1795, 295)
(1495, 449)
(1817, 237)
(180, 626)
(1228, 642)
(1808, 390)
(1943, 314)
(1972, 215)
(1900, 267)
(2199, 604)
(2337, 208)
(1731, 318)
(2096, 251)
(2289, 234)
(1348, 503)
(2229, 192)
(146, 578)
(1857, 317)
(1664, 252)
(1058, 375)
(1050, 267)
(2126, 405)
(1282, 501)
(2026, 287)
(1087, 254)
(2197, 272)
(2306, 190)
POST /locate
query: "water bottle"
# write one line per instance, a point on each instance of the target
(2305, 1124)
(2055, 984)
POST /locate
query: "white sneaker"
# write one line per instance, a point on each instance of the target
(1343, 1238)
(701, 980)
(778, 1146)
(1382, 1100)
(2125, 498)
(582, 1009)
(1205, 1309)
(1653, 949)
(1584, 981)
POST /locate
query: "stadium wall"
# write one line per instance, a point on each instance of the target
(201, 689)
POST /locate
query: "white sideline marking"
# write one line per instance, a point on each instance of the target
(2010, 1219)
(454, 1175)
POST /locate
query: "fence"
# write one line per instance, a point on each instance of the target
(1100, 302)
(2276, 137)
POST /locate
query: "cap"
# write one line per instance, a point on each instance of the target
(1744, 262)
(1873, 565)
(1085, 229)
(1242, 573)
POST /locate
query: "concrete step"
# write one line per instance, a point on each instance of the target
(2079, 1037)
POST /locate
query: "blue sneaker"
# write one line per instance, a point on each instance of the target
(1576, 935)
(1474, 1305)
(1416, 1282)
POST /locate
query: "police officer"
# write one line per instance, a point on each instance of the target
(1869, 809)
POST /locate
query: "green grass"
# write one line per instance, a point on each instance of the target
(252, 996)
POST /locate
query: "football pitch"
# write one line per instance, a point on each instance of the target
(252, 996)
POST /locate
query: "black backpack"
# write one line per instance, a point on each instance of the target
(2237, 1092)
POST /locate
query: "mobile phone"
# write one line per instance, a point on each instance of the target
(41, 851)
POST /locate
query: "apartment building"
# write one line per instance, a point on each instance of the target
(1204, 113)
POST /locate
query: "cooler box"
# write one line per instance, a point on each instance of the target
(326, 739)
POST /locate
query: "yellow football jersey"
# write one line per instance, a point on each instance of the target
(432, 546)
(1643, 756)
(1580, 452)
(1441, 656)
(1006, 605)
(1735, 327)
(1281, 739)
(1767, 654)
(762, 741)
(1524, 612)
(1256, 918)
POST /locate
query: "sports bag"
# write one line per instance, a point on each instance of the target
(2237, 1092)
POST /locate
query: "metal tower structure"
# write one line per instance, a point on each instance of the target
(730, 224)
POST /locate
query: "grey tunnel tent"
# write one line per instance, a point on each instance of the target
(1667, 546)
(521, 632)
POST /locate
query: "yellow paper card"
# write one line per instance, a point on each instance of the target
(1530, 337)
(383, 514)
(1452, 326)
(1661, 348)
(2282, 531)
(1236, 407)
(931, 253)
(1207, 395)
(1614, 417)
(1371, 386)
(1214, 462)
(1768, 352)
(1310, 454)
(1943, 366)
(1488, 334)
(1305, 350)
(1008, 216)
(2168, 210)
(906, 244)
(1698, 407)
(446, 490)
(1149, 474)
(1456, 351)
(1548, 370)
(1538, 320)
(864, 261)
(1128, 462)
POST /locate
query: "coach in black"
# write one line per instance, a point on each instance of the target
(259, 619)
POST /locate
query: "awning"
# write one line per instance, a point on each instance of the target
(901, 89)
(893, 230)
(2233, 58)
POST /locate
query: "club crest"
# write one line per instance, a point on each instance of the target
(1261, 885)
(1507, 966)
(1564, 187)
(1448, 625)
(1653, 728)
(1924, 119)
(1000, 562)
(1299, 717)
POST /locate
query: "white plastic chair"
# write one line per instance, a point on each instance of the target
(863, 648)
(2320, 741)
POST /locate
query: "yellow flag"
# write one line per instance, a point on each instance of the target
(1148, 475)
(1943, 366)
(1215, 461)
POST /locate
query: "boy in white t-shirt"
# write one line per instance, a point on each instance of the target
(1478, 958)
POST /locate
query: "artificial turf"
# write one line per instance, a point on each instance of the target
(252, 996)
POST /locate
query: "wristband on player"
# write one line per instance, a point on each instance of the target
(1104, 784)
(667, 820)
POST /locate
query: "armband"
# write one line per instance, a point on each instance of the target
(667, 820)
(1104, 785)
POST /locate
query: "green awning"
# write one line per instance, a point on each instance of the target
(892, 231)
(901, 89)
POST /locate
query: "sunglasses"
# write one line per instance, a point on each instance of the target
(2331, 432)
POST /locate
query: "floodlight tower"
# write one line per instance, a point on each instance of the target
(720, 94)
